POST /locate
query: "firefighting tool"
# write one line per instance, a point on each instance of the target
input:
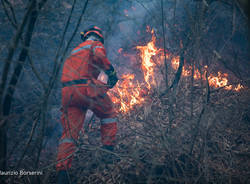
(112, 77)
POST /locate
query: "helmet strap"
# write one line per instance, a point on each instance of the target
(94, 38)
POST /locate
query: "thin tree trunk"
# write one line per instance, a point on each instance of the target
(11, 51)
(32, 14)
(3, 151)
(164, 45)
(192, 92)
(3, 111)
(197, 126)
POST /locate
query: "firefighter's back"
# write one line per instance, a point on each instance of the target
(81, 63)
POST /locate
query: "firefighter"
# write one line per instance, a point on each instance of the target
(81, 91)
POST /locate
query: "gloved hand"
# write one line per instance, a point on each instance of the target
(112, 77)
(62, 177)
(112, 81)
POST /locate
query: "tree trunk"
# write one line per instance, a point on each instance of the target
(7, 99)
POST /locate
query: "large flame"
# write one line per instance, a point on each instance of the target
(148, 65)
(129, 92)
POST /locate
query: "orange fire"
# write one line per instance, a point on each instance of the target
(120, 50)
(186, 70)
(148, 65)
(216, 81)
(129, 92)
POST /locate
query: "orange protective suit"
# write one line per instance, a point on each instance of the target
(83, 91)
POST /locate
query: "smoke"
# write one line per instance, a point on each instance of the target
(128, 21)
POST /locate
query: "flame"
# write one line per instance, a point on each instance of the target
(148, 65)
(238, 87)
(129, 92)
(219, 81)
(216, 81)
(186, 70)
(175, 62)
(120, 50)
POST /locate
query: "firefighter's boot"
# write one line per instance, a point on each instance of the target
(62, 177)
(108, 147)
(107, 157)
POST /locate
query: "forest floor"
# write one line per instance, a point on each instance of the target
(210, 147)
